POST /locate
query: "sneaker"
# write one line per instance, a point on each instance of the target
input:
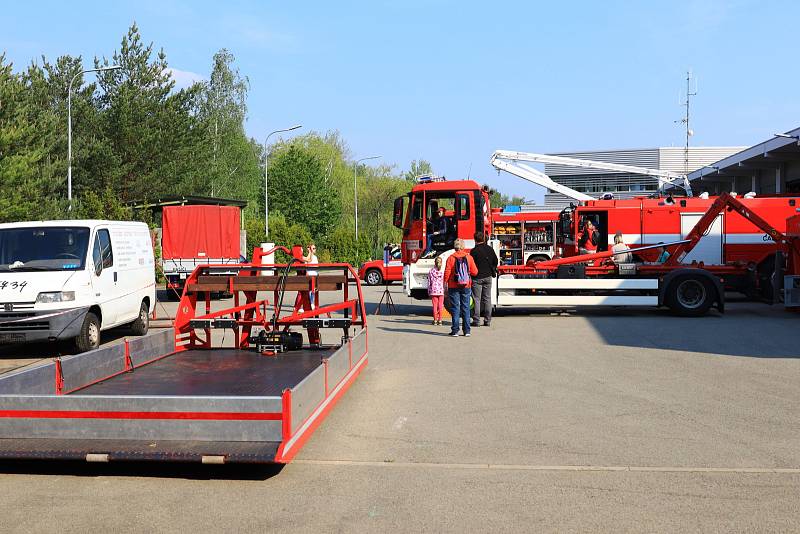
(433, 322)
(487, 323)
(475, 323)
(453, 334)
(467, 334)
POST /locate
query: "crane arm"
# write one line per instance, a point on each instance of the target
(537, 177)
(664, 177)
(723, 201)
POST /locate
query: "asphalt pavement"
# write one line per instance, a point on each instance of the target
(612, 420)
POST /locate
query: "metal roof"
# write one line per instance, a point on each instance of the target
(765, 155)
(184, 200)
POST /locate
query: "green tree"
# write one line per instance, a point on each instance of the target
(235, 170)
(24, 148)
(417, 168)
(299, 190)
(157, 141)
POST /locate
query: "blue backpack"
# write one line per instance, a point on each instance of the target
(462, 271)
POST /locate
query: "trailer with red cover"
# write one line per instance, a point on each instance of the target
(244, 384)
(193, 235)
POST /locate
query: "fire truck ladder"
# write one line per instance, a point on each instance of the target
(508, 160)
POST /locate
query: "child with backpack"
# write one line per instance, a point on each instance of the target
(436, 289)
(458, 273)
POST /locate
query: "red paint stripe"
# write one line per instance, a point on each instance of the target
(203, 416)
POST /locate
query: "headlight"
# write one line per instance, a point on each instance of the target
(55, 296)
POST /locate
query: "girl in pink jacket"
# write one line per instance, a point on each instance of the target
(436, 289)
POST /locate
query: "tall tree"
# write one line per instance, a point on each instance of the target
(23, 148)
(156, 139)
(234, 169)
(298, 189)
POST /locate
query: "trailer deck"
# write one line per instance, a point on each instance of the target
(214, 372)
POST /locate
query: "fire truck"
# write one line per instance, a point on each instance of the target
(737, 250)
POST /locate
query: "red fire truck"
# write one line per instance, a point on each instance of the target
(734, 251)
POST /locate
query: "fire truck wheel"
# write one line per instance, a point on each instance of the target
(142, 323)
(89, 336)
(690, 296)
(373, 277)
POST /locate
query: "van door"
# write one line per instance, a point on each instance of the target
(709, 248)
(104, 278)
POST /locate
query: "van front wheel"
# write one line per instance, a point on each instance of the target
(142, 323)
(89, 336)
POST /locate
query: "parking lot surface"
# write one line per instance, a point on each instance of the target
(613, 420)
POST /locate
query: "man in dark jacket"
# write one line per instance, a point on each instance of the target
(486, 261)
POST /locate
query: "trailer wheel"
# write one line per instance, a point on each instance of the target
(690, 296)
(373, 277)
(140, 326)
(89, 336)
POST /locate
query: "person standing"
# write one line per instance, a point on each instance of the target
(458, 273)
(486, 262)
(436, 289)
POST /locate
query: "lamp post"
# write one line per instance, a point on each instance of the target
(266, 175)
(69, 126)
(355, 190)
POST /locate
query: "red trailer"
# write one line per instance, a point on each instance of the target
(254, 396)
(198, 235)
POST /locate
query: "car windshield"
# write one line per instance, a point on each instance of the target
(59, 248)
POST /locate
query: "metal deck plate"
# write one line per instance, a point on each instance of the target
(214, 372)
(138, 450)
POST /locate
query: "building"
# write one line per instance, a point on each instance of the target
(769, 167)
(622, 185)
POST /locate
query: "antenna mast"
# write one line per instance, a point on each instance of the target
(685, 119)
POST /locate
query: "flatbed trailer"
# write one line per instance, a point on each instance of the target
(179, 395)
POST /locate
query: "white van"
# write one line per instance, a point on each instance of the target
(72, 279)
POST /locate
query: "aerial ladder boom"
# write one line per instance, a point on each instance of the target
(538, 177)
(664, 177)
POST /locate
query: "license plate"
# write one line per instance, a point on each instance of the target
(7, 339)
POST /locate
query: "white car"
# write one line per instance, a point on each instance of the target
(73, 279)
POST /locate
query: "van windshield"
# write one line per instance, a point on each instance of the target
(59, 248)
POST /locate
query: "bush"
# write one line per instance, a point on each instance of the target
(342, 247)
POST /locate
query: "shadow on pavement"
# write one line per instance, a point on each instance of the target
(189, 471)
(745, 330)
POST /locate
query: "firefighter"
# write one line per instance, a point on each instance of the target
(587, 238)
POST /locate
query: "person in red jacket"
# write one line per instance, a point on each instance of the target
(458, 273)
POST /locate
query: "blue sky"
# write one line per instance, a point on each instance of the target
(452, 81)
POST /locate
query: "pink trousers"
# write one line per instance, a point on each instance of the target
(438, 303)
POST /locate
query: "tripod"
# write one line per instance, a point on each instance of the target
(386, 298)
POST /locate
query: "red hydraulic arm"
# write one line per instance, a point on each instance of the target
(723, 201)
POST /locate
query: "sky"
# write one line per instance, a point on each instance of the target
(452, 81)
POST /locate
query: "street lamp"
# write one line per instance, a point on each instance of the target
(355, 189)
(69, 126)
(266, 175)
